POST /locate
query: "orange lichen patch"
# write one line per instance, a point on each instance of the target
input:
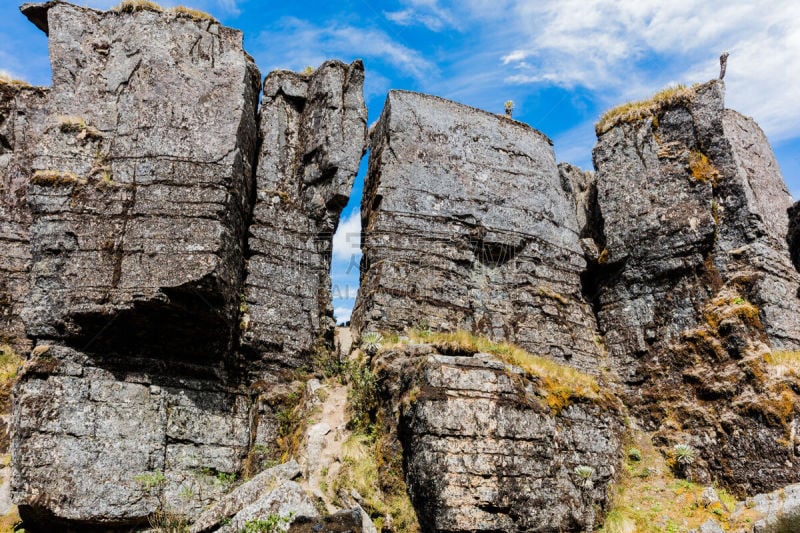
(651, 107)
(702, 169)
(729, 303)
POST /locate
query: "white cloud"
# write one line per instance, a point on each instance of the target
(629, 48)
(342, 314)
(229, 6)
(347, 239)
(302, 43)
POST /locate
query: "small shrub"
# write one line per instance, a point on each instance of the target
(363, 399)
(371, 342)
(684, 454)
(273, 523)
(309, 70)
(509, 108)
(634, 454)
(166, 521)
(131, 6)
(150, 480)
(584, 474)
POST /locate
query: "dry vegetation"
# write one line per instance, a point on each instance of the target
(131, 6)
(53, 178)
(702, 169)
(635, 111)
(379, 480)
(8, 80)
(195, 14)
(561, 384)
(648, 498)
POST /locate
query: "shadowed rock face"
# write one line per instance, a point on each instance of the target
(696, 285)
(466, 225)
(793, 237)
(313, 131)
(483, 452)
(22, 112)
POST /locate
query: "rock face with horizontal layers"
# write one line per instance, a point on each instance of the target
(21, 121)
(484, 451)
(695, 285)
(139, 192)
(466, 226)
(313, 135)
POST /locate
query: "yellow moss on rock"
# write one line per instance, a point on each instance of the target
(56, 177)
(650, 107)
(195, 14)
(702, 169)
(131, 6)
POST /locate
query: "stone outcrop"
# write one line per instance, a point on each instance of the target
(484, 451)
(694, 284)
(466, 225)
(21, 121)
(313, 135)
(139, 193)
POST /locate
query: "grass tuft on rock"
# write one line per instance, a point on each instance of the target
(195, 14)
(53, 178)
(650, 107)
(132, 6)
(562, 384)
(5, 79)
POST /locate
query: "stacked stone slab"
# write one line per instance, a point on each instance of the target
(695, 285)
(139, 192)
(313, 135)
(20, 122)
(466, 226)
(483, 451)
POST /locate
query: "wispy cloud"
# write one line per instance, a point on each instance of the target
(630, 47)
(300, 43)
(426, 13)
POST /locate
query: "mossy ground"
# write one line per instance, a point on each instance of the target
(648, 498)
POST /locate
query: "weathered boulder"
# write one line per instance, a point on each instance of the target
(284, 502)
(313, 135)
(22, 111)
(485, 451)
(694, 286)
(140, 185)
(466, 225)
(245, 495)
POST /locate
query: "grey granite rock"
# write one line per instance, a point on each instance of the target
(246, 494)
(484, 452)
(695, 285)
(313, 131)
(140, 186)
(466, 225)
(287, 500)
(779, 510)
(22, 112)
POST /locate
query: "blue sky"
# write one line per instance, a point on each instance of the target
(563, 62)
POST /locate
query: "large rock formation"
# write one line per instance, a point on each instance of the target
(313, 135)
(139, 192)
(466, 226)
(21, 121)
(694, 284)
(485, 450)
